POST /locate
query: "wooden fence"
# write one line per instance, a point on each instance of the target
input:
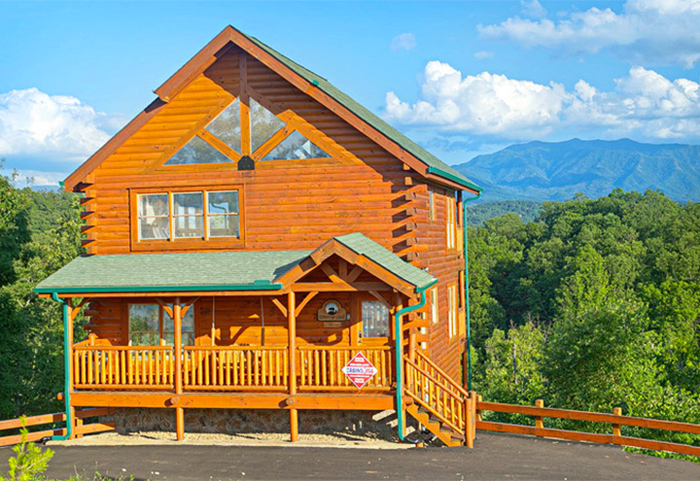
(42, 419)
(616, 420)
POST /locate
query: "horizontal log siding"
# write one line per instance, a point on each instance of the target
(288, 205)
(446, 352)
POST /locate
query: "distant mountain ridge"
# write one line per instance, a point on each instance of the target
(557, 170)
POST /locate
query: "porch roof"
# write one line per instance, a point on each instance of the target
(211, 271)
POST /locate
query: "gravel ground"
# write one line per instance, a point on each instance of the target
(339, 440)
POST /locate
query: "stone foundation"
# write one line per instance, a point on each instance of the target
(236, 421)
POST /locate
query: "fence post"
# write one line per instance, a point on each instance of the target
(539, 420)
(478, 411)
(616, 427)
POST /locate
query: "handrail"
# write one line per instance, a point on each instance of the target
(81, 347)
(344, 348)
(459, 388)
(432, 378)
(436, 413)
(234, 348)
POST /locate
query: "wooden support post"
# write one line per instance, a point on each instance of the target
(539, 420)
(479, 398)
(292, 330)
(412, 346)
(617, 431)
(472, 414)
(177, 325)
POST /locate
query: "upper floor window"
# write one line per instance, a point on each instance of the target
(451, 220)
(246, 130)
(452, 310)
(168, 219)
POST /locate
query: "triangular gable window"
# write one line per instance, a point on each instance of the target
(222, 139)
(227, 126)
(197, 151)
(296, 146)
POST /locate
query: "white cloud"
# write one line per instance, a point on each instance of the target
(47, 136)
(644, 105)
(533, 9)
(646, 32)
(32, 122)
(483, 54)
(403, 42)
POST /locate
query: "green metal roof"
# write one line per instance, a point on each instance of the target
(217, 271)
(173, 272)
(435, 165)
(387, 259)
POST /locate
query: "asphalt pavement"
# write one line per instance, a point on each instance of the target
(495, 456)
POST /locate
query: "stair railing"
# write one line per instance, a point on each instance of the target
(430, 387)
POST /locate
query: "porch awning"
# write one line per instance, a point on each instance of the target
(208, 272)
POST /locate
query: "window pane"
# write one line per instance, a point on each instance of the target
(153, 205)
(144, 327)
(224, 226)
(187, 328)
(296, 146)
(223, 202)
(375, 319)
(197, 151)
(188, 227)
(227, 126)
(191, 203)
(154, 228)
(263, 124)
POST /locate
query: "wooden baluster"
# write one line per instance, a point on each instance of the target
(228, 367)
(324, 369)
(249, 367)
(317, 369)
(263, 367)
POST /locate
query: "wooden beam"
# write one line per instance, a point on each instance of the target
(179, 412)
(280, 306)
(306, 300)
(333, 287)
(236, 400)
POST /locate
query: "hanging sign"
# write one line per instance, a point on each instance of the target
(332, 311)
(359, 370)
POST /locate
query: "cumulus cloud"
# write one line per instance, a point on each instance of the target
(533, 8)
(643, 105)
(403, 42)
(646, 32)
(46, 136)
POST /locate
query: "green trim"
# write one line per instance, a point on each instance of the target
(255, 286)
(66, 373)
(454, 178)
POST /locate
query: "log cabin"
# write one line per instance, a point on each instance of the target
(255, 239)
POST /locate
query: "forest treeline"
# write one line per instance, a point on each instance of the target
(595, 304)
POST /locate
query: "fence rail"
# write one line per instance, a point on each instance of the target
(616, 420)
(52, 419)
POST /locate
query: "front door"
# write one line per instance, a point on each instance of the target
(373, 328)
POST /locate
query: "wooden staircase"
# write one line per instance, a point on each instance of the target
(438, 402)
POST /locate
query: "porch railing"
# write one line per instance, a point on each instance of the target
(225, 368)
(235, 368)
(320, 368)
(123, 367)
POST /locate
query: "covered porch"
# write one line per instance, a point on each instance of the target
(261, 330)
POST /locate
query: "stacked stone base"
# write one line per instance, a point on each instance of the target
(236, 421)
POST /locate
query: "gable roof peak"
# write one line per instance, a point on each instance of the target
(304, 79)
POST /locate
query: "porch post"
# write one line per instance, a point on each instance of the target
(177, 325)
(292, 329)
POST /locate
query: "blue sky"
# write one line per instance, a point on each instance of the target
(462, 78)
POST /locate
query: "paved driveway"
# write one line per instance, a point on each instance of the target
(495, 457)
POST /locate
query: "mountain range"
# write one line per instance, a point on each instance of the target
(542, 171)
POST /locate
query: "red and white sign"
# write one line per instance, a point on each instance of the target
(359, 370)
